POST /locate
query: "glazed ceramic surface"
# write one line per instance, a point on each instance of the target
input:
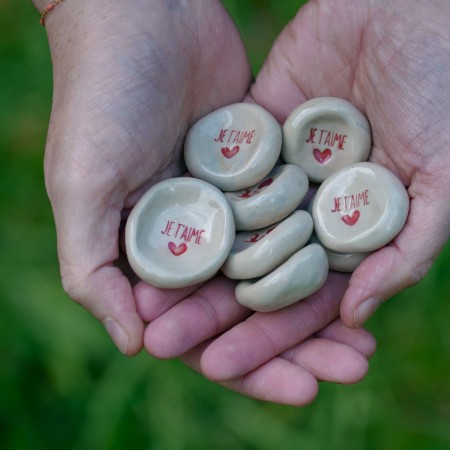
(271, 200)
(342, 262)
(360, 208)
(233, 147)
(325, 134)
(256, 253)
(179, 233)
(300, 276)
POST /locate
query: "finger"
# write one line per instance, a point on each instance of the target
(278, 381)
(291, 378)
(152, 302)
(88, 233)
(402, 263)
(109, 297)
(265, 335)
(357, 338)
(329, 360)
(207, 312)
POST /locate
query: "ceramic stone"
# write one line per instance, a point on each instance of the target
(339, 262)
(300, 276)
(271, 200)
(233, 147)
(360, 208)
(256, 253)
(179, 233)
(325, 134)
(342, 262)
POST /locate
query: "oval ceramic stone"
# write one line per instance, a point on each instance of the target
(233, 147)
(360, 208)
(179, 233)
(301, 275)
(256, 253)
(271, 200)
(325, 134)
(342, 262)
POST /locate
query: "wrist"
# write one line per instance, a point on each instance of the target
(66, 16)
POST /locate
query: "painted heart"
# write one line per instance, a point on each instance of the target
(230, 152)
(177, 250)
(245, 194)
(322, 157)
(265, 183)
(351, 220)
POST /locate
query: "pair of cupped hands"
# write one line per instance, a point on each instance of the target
(128, 83)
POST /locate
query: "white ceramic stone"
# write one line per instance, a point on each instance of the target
(300, 276)
(233, 147)
(342, 262)
(360, 208)
(256, 253)
(271, 200)
(179, 233)
(325, 134)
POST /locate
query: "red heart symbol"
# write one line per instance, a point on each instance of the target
(177, 250)
(245, 194)
(265, 183)
(322, 157)
(351, 220)
(230, 152)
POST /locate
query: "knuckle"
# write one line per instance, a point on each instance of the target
(74, 286)
(418, 273)
(209, 312)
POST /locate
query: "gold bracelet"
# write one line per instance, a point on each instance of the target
(47, 9)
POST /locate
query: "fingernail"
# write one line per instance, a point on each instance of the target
(117, 334)
(366, 309)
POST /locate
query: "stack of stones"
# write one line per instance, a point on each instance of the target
(240, 213)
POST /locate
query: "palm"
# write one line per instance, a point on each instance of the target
(378, 58)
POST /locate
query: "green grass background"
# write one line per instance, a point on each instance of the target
(64, 386)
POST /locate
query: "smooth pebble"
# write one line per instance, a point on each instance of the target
(300, 276)
(179, 233)
(233, 147)
(360, 208)
(256, 253)
(325, 134)
(271, 200)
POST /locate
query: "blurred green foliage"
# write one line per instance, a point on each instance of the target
(64, 386)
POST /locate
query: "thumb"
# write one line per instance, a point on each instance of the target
(87, 228)
(402, 263)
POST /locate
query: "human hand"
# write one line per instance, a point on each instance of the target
(128, 81)
(391, 59)
(362, 52)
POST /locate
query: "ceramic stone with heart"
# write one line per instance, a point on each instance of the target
(325, 134)
(179, 233)
(233, 147)
(266, 202)
(359, 208)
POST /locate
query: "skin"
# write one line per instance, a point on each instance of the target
(143, 75)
